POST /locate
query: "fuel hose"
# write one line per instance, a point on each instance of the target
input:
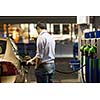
(69, 72)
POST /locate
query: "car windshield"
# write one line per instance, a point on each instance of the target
(2, 46)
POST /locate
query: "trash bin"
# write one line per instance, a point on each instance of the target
(75, 64)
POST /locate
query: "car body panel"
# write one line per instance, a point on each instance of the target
(11, 56)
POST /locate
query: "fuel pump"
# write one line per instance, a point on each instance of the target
(84, 56)
(92, 65)
(98, 55)
(86, 51)
(82, 61)
(88, 56)
(92, 58)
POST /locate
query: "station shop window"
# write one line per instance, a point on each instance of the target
(1, 30)
(65, 29)
(76, 29)
(56, 29)
(16, 31)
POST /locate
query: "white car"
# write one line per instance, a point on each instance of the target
(10, 62)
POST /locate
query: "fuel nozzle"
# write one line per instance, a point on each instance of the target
(92, 51)
(82, 48)
(86, 49)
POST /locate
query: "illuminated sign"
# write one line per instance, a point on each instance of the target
(83, 20)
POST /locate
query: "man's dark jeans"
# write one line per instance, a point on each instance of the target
(45, 73)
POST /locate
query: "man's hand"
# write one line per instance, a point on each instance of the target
(30, 62)
(37, 63)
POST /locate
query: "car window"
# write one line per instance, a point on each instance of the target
(13, 44)
(14, 47)
(2, 46)
(15, 50)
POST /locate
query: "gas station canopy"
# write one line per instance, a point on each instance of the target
(35, 19)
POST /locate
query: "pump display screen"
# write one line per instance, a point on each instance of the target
(2, 46)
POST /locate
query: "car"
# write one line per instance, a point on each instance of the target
(11, 69)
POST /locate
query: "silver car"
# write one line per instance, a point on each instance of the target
(10, 62)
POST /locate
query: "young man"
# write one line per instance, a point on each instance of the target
(45, 56)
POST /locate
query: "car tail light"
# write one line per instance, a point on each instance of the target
(7, 69)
